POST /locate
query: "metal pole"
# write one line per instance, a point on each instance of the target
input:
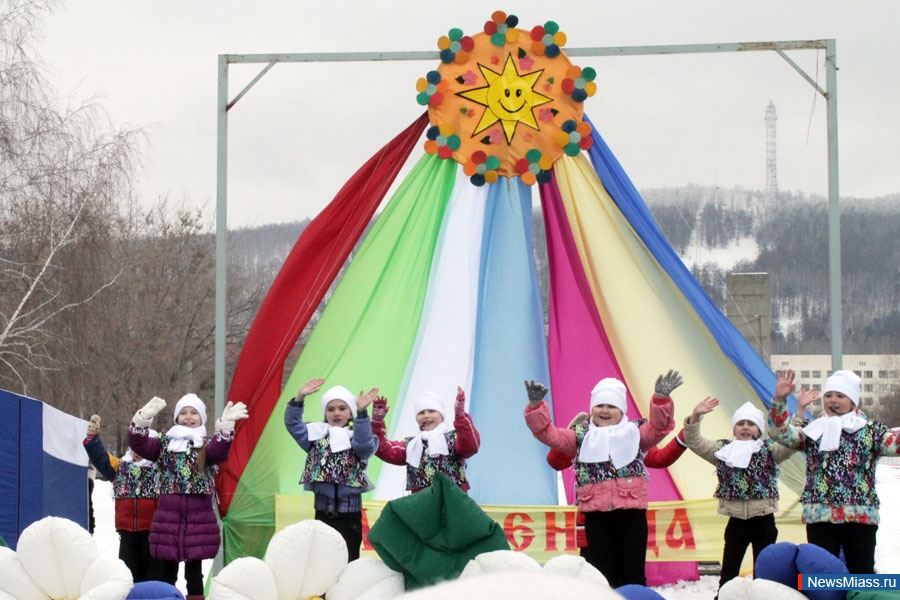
(221, 229)
(834, 211)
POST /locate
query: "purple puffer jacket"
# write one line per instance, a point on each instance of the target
(184, 526)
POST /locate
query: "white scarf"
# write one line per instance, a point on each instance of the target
(619, 443)
(180, 436)
(829, 429)
(737, 453)
(338, 437)
(437, 445)
(129, 458)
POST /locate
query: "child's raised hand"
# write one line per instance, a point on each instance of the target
(707, 405)
(536, 392)
(806, 398)
(578, 419)
(152, 408)
(94, 425)
(311, 387)
(785, 385)
(365, 399)
(665, 384)
(379, 408)
(460, 406)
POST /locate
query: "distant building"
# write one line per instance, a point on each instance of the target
(880, 373)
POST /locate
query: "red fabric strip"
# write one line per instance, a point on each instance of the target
(306, 275)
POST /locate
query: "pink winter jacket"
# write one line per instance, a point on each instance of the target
(613, 494)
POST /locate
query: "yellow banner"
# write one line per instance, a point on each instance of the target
(687, 530)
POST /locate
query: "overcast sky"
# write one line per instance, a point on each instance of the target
(304, 129)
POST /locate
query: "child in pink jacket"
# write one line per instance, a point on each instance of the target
(610, 477)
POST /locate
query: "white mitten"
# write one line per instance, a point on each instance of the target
(231, 413)
(144, 416)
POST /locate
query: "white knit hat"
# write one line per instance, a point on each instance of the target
(194, 401)
(609, 391)
(339, 392)
(430, 401)
(845, 382)
(748, 412)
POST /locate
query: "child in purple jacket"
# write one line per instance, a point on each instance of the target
(184, 528)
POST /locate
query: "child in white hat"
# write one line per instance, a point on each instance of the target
(610, 477)
(185, 528)
(439, 447)
(840, 505)
(747, 470)
(337, 455)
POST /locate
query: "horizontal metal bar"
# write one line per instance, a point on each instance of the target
(598, 51)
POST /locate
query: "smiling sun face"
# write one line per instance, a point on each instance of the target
(508, 97)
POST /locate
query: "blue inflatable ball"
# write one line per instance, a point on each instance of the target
(154, 590)
(777, 562)
(814, 559)
(633, 591)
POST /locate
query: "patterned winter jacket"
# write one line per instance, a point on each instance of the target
(135, 488)
(840, 485)
(337, 479)
(463, 442)
(616, 492)
(742, 493)
(184, 526)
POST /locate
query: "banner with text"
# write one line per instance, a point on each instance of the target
(678, 531)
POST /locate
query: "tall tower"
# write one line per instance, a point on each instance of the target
(771, 166)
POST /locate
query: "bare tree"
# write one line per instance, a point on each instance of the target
(62, 171)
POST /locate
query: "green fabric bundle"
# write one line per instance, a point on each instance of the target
(430, 536)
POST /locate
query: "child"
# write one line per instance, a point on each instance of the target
(840, 505)
(184, 527)
(747, 468)
(610, 478)
(437, 448)
(655, 458)
(135, 487)
(337, 456)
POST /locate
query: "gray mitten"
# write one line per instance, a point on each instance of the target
(666, 383)
(536, 392)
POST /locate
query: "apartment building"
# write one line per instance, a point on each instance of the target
(880, 373)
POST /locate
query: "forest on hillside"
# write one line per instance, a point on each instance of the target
(790, 233)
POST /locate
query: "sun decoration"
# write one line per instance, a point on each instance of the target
(506, 102)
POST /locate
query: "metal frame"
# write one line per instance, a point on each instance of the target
(830, 94)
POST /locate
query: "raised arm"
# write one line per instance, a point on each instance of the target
(699, 445)
(390, 451)
(778, 424)
(468, 440)
(537, 417)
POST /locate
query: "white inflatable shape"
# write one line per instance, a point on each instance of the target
(367, 579)
(306, 558)
(111, 573)
(569, 565)
(15, 582)
(5, 596)
(56, 553)
(500, 560)
(111, 590)
(246, 578)
(744, 588)
(514, 585)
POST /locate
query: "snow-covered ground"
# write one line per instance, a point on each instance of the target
(887, 554)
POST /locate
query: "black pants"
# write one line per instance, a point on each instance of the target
(617, 544)
(349, 525)
(193, 574)
(134, 551)
(741, 533)
(857, 540)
